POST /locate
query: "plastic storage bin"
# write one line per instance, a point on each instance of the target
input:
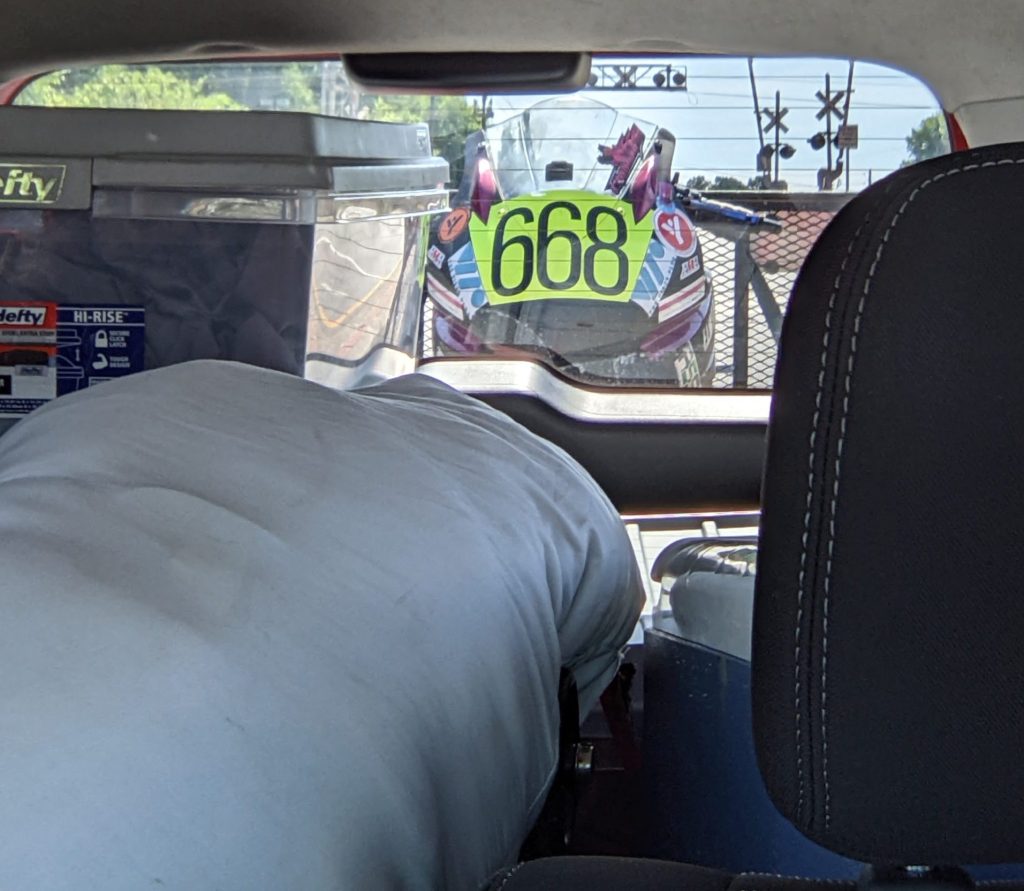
(142, 239)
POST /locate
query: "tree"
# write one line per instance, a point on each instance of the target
(301, 82)
(721, 184)
(451, 119)
(929, 139)
(262, 86)
(729, 184)
(124, 86)
(757, 183)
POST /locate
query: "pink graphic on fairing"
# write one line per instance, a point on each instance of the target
(675, 332)
(485, 190)
(622, 156)
(456, 336)
(444, 297)
(693, 293)
(643, 192)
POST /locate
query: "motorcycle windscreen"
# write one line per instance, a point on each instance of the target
(600, 343)
(565, 331)
(595, 147)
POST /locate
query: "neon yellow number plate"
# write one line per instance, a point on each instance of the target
(560, 244)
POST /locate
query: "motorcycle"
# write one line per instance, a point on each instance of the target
(581, 254)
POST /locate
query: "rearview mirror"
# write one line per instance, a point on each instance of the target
(469, 72)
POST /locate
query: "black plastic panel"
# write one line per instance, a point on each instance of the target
(654, 468)
(469, 72)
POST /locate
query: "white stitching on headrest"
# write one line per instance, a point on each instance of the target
(778, 875)
(807, 513)
(509, 875)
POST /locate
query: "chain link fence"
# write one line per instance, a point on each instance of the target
(754, 272)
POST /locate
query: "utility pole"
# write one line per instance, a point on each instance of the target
(760, 126)
(828, 131)
(846, 123)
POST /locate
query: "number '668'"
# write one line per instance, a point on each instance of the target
(536, 256)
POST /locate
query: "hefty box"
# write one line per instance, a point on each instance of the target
(289, 241)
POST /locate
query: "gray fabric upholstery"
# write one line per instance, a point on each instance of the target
(259, 634)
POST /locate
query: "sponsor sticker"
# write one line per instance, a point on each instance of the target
(689, 267)
(674, 230)
(453, 225)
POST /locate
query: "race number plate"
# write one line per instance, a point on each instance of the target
(560, 244)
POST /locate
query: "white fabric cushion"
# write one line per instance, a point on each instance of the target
(261, 634)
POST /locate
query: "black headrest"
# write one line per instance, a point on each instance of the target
(888, 651)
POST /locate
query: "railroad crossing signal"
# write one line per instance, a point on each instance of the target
(637, 77)
(848, 136)
(830, 102)
(845, 137)
(770, 152)
(626, 76)
(774, 119)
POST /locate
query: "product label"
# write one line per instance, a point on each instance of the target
(48, 350)
(98, 343)
(28, 356)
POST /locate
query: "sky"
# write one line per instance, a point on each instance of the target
(714, 122)
(715, 126)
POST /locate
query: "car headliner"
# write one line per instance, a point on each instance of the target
(969, 53)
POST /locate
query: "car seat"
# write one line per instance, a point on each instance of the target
(887, 664)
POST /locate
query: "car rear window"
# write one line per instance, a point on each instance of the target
(641, 234)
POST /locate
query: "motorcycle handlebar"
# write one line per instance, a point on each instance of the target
(696, 203)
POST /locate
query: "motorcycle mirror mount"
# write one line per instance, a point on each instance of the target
(558, 171)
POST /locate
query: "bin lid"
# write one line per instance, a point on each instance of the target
(57, 157)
